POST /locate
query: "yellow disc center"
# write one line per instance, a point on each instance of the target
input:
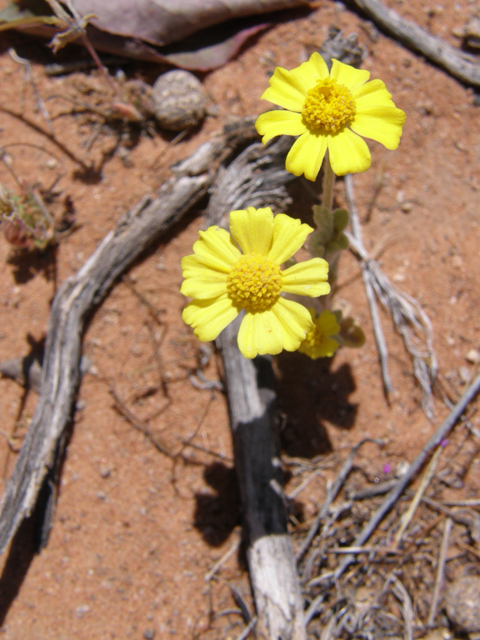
(328, 105)
(254, 282)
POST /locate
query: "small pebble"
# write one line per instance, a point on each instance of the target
(179, 100)
(104, 470)
(473, 356)
(149, 634)
(82, 610)
(463, 603)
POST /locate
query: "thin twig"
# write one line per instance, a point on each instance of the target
(372, 302)
(441, 433)
(440, 569)
(248, 629)
(467, 547)
(29, 77)
(226, 556)
(313, 608)
(407, 608)
(139, 424)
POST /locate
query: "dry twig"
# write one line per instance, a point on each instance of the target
(458, 64)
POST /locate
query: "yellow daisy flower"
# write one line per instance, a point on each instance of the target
(222, 281)
(318, 343)
(329, 111)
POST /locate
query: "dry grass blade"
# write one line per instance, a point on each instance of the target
(410, 512)
(407, 608)
(440, 569)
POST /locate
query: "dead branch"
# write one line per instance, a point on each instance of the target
(138, 229)
(257, 178)
(460, 65)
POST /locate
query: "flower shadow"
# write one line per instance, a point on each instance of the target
(217, 512)
(309, 394)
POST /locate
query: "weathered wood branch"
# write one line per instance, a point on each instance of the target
(138, 229)
(460, 65)
(270, 556)
(258, 178)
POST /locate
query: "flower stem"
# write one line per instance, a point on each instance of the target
(328, 183)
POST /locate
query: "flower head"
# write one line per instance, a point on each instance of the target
(318, 343)
(329, 111)
(222, 281)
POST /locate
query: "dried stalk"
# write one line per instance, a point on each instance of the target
(409, 318)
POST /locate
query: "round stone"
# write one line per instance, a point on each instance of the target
(463, 603)
(179, 100)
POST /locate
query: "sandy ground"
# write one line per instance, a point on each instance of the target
(134, 532)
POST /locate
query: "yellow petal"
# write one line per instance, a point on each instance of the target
(200, 281)
(216, 248)
(260, 333)
(289, 234)
(306, 155)
(295, 322)
(252, 229)
(349, 76)
(308, 278)
(328, 324)
(279, 123)
(327, 347)
(209, 317)
(348, 153)
(321, 69)
(372, 94)
(383, 124)
(309, 73)
(286, 90)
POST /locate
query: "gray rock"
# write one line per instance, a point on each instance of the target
(462, 602)
(179, 100)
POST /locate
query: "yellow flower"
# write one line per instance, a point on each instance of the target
(222, 281)
(329, 111)
(318, 343)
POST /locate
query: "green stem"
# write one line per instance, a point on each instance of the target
(328, 183)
